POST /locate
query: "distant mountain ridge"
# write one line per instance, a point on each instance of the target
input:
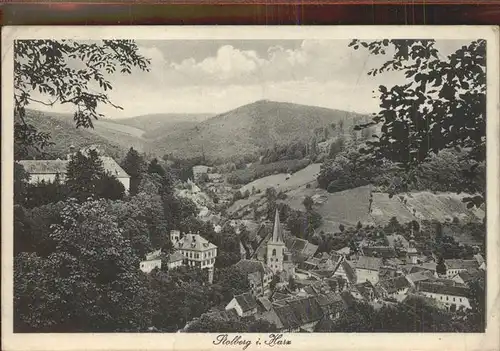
(159, 124)
(64, 134)
(243, 131)
(250, 128)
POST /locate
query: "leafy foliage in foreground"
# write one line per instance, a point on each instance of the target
(53, 72)
(442, 104)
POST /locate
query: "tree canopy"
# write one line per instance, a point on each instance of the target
(67, 72)
(441, 104)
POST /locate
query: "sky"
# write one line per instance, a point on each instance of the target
(215, 76)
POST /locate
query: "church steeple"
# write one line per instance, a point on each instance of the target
(276, 247)
(277, 231)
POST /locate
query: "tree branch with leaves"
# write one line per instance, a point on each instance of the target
(51, 72)
(441, 105)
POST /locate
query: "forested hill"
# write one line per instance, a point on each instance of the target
(254, 127)
(64, 133)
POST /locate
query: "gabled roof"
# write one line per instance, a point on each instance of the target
(175, 257)
(60, 166)
(379, 251)
(369, 263)
(420, 276)
(443, 289)
(469, 275)
(329, 299)
(44, 166)
(347, 266)
(277, 296)
(461, 264)
(194, 242)
(393, 238)
(394, 284)
(250, 266)
(255, 278)
(364, 289)
(297, 313)
(113, 168)
(246, 301)
(265, 303)
(479, 259)
(322, 273)
(153, 255)
(300, 248)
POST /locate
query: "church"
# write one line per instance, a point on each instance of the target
(273, 251)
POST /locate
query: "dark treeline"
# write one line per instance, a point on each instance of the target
(78, 245)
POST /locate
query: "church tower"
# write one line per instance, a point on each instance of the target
(276, 247)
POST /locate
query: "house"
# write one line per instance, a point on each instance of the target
(175, 260)
(397, 241)
(153, 260)
(395, 288)
(332, 304)
(45, 170)
(199, 171)
(367, 269)
(298, 315)
(300, 249)
(455, 266)
(336, 283)
(465, 277)
(346, 271)
(156, 258)
(245, 304)
(379, 251)
(264, 304)
(148, 265)
(364, 291)
(480, 261)
(259, 275)
(453, 297)
(198, 252)
(416, 277)
(50, 170)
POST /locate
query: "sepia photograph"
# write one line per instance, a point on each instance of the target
(250, 184)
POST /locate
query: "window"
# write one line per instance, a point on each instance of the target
(447, 298)
(460, 299)
(274, 252)
(453, 299)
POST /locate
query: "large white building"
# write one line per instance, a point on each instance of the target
(451, 296)
(197, 252)
(48, 170)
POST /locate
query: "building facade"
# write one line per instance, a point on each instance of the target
(49, 170)
(198, 252)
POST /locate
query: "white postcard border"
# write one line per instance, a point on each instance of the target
(315, 341)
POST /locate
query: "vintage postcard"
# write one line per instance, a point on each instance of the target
(329, 188)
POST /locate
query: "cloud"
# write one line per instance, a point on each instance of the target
(318, 72)
(315, 59)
